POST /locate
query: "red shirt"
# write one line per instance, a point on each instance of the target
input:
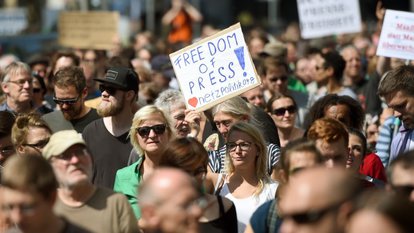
(372, 166)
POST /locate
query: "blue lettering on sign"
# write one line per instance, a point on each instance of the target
(240, 57)
(222, 44)
(193, 56)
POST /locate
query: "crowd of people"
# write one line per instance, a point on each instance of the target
(98, 141)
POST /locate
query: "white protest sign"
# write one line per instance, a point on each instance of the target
(397, 35)
(214, 69)
(320, 18)
(12, 21)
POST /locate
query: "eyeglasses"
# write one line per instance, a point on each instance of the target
(110, 90)
(145, 130)
(68, 155)
(311, 216)
(281, 111)
(37, 90)
(244, 146)
(21, 82)
(7, 150)
(25, 209)
(275, 79)
(39, 145)
(405, 190)
(66, 101)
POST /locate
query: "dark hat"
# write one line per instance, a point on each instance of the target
(38, 59)
(162, 64)
(122, 78)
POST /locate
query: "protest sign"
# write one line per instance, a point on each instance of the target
(320, 18)
(215, 69)
(12, 21)
(397, 35)
(88, 30)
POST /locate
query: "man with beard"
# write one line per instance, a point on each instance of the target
(70, 93)
(107, 138)
(397, 88)
(17, 86)
(93, 208)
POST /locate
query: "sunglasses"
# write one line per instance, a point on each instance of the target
(145, 130)
(110, 90)
(66, 101)
(39, 145)
(311, 216)
(275, 79)
(281, 111)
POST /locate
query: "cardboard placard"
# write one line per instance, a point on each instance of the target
(215, 69)
(88, 30)
(397, 35)
(320, 18)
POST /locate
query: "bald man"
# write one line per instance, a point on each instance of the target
(170, 202)
(318, 200)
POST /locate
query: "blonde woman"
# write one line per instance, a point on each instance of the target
(247, 183)
(150, 133)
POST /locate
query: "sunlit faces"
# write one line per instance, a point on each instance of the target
(243, 152)
(223, 122)
(111, 104)
(36, 139)
(276, 79)
(154, 142)
(255, 96)
(374, 221)
(73, 167)
(335, 154)
(353, 62)
(177, 113)
(28, 210)
(403, 105)
(19, 88)
(71, 110)
(285, 105)
(355, 152)
(339, 112)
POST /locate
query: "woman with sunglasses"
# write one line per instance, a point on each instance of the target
(283, 110)
(30, 134)
(150, 133)
(39, 91)
(188, 154)
(247, 183)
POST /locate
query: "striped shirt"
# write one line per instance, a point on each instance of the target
(217, 158)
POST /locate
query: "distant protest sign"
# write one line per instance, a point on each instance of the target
(397, 35)
(84, 30)
(320, 18)
(12, 21)
(215, 69)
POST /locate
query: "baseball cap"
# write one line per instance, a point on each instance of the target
(274, 49)
(60, 141)
(122, 78)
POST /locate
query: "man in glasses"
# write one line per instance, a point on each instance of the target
(16, 83)
(275, 74)
(318, 200)
(94, 208)
(70, 94)
(28, 197)
(107, 138)
(401, 175)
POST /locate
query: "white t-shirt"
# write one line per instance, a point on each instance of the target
(245, 207)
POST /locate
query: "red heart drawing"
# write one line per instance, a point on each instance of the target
(193, 101)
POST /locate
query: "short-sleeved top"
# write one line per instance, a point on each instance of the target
(217, 158)
(105, 212)
(245, 207)
(109, 153)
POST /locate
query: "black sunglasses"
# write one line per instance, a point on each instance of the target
(39, 145)
(109, 89)
(274, 79)
(66, 101)
(145, 130)
(281, 111)
(311, 216)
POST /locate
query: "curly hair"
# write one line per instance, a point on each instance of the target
(328, 130)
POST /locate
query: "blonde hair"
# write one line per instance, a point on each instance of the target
(261, 161)
(235, 107)
(142, 115)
